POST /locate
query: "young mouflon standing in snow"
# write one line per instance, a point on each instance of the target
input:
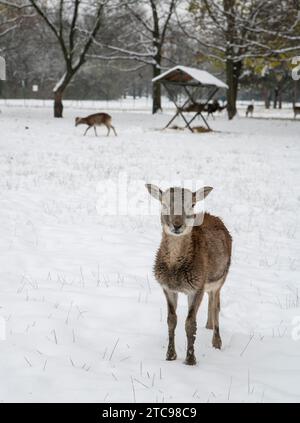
(193, 258)
(94, 120)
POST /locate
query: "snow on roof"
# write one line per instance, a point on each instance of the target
(184, 73)
(2, 69)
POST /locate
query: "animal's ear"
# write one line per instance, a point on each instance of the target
(200, 194)
(154, 191)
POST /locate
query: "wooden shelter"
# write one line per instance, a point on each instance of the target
(193, 81)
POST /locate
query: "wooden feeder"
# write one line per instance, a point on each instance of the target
(193, 81)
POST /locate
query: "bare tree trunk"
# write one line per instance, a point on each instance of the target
(231, 106)
(295, 96)
(59, 92)
(67, 41)
(233, 67)
(280, 97)
(266, 95)
(276, 92)
(156, 106)
(233, 71)
(58, 105)
(156, 88)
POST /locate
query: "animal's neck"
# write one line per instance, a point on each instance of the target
(176, 247)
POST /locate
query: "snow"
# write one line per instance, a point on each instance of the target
(85, 319)
(145, 104)
(201, 76)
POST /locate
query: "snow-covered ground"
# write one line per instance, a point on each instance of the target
(144, 104)
(85, 319)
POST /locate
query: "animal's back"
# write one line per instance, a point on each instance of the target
(214, 238)
(99, 118)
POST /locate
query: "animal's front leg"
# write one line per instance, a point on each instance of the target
(172, 322)
(194, 301)
(89, 127)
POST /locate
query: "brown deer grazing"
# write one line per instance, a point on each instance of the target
(193, 258)
(94, 120)
(296, 111)
(213, 107)
(194, 107)
(250, 110)
(210, 108)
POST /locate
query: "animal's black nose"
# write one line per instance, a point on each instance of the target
(177, 226)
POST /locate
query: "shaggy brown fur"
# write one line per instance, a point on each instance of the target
(187, 263)
(191, 260)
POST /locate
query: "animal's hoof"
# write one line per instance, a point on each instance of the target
(190, 361)
(171, 356)
(217, 343)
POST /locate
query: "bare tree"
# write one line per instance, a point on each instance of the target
(233, 31)
(74, 24)
(158, 31)
(11, 16)
(151, 20)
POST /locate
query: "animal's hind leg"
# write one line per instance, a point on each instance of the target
(219, 300)
(89, 127)
(209, 323)
(191, 325)
(108, 130)
(216, 340)
(115, 132)
(172, 322)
